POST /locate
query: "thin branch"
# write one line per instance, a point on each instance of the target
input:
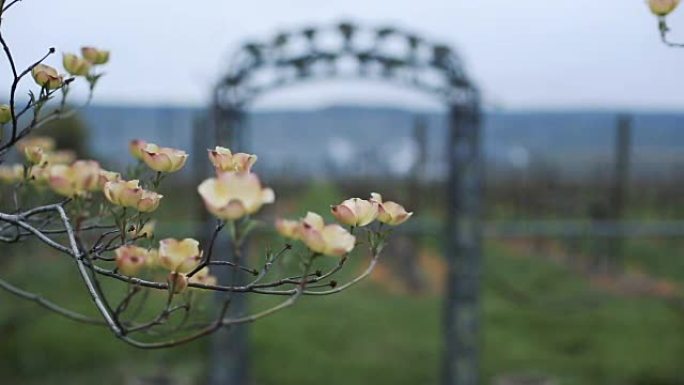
(664, 30)
(337, 289)
(270, 260)
(49, 305)
(17, 220)
(82, 269)
(231, 264)
(8, 6)
(121, 330)
(15, 84)
(210, 250)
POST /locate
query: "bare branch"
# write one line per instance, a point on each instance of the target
(49, 305)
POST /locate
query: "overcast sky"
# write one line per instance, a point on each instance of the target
(523, 53)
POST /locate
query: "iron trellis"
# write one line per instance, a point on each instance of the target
(348, 51)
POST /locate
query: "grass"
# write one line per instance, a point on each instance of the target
(538, 318)
(659, 257)
(573, 332)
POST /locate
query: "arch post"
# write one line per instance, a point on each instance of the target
(463, 244)
(436, 69)
(230, 353)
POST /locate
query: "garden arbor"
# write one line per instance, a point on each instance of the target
(347, 51)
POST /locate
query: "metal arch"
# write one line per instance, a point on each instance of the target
(381, 53)
(302, 55)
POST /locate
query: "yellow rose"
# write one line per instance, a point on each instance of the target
(46, 76)
(76, 179)
(5, 114)
(94, 55)
(130, 194)
(149, 201)
(662, 7)
(288, 228)
(123, 193)
(333, 240)
(179, 256)
(107, 176)
(46, 143)
(75, 65)
(35, 155)
(152, 259)
(390, 213)
(355, 212)
(61, 157)
(233, 195)
(163, 159)
(224, 160)
(130, 259)
(135, 147)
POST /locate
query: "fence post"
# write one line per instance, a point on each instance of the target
(619, 193)
(463, 248)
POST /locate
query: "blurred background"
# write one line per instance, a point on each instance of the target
(583, 206)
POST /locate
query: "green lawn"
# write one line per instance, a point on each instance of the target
(539, 318)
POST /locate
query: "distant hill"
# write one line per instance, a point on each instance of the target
(370, 140)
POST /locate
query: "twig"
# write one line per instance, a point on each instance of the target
(49, 305)
(664, 30)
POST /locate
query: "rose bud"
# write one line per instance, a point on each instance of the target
(74, 180)
(94, 55)
(390, 213)
(662, 7)
(204, 278)
(75, 65)
(177, 282)
(130, 259)
(35, 155)
(355, 212)
(61, 157)
(46, 76)
(179, 256)
(288, 228)
(135, 147)
(11, 174)
(233, 195)
(149, 201)
(5, 114)
(163, 159)
(225, 161)
(333, 240)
